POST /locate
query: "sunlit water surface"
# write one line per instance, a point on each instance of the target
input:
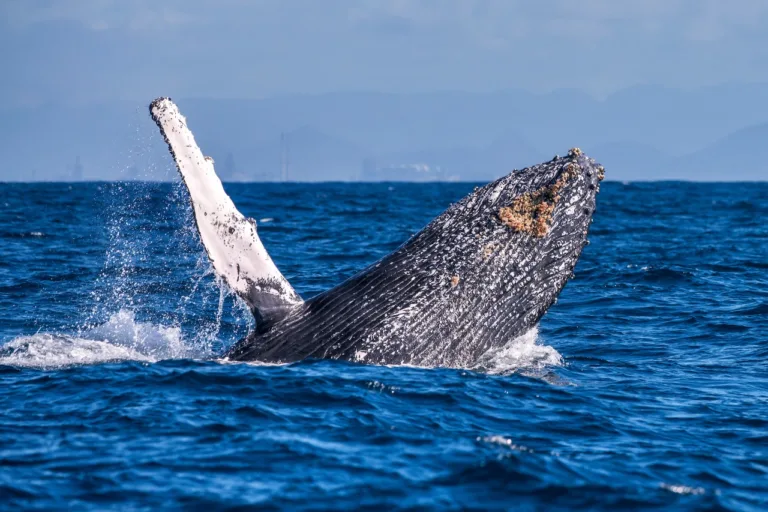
(646, 386)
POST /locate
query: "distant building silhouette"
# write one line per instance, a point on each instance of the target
(77, 170)
(284, 157)
(369, 170)
(228, 169)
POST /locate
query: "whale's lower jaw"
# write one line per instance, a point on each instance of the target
(481, 274)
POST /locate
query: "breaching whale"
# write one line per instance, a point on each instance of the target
(479, 275)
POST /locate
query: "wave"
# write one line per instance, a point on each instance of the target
(121, 338)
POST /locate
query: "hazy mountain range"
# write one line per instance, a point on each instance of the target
(641, 133)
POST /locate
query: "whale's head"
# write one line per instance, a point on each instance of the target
(517, 241)
(475, 278)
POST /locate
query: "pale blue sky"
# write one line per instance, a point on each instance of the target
(78, 51)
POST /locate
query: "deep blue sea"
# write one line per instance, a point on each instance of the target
(644, 387)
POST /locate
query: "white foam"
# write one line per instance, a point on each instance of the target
(682, 489)
(155, 341)
(504, 441)
(523, 353)
(48, 351)
(121, 338)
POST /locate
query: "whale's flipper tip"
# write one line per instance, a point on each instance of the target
(158, 104)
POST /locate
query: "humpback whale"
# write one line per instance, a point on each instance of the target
(480, 274)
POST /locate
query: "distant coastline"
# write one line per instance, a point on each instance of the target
(643, 133)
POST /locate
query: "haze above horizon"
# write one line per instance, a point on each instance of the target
(654, 89)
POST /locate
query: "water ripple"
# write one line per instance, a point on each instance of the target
(643, 388)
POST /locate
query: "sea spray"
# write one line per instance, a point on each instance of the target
(151, 240)
(523, 353)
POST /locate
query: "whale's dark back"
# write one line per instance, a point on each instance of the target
(479, 275)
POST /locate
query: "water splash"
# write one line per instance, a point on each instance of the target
(522, 354)
(153, 250)
(53, 351)
(154, 341)
(121, 338)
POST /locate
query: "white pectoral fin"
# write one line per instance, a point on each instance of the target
(230, 239)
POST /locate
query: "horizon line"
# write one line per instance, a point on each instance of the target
(357, 182)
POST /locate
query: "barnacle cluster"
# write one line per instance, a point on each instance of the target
(601, 173)
(532, 212)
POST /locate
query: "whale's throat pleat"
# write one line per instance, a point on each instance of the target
(229, 238)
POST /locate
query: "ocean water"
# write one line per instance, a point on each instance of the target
(644, 387)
